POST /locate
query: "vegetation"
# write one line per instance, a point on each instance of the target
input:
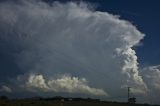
(59, 101)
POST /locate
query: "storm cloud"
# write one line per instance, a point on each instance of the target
(51, 40)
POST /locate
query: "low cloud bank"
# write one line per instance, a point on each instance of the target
(65, 83)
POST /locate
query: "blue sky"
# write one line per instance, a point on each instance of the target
(93, 49)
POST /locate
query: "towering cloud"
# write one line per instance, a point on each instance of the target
(70, 38)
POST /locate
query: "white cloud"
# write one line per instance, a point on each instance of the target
(36, 82)
(63, 84)
(151, 76)
(5, 88)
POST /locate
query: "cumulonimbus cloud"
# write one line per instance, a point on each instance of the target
(70, 38)
(59, 38)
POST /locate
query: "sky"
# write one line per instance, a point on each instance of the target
(92, 48)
